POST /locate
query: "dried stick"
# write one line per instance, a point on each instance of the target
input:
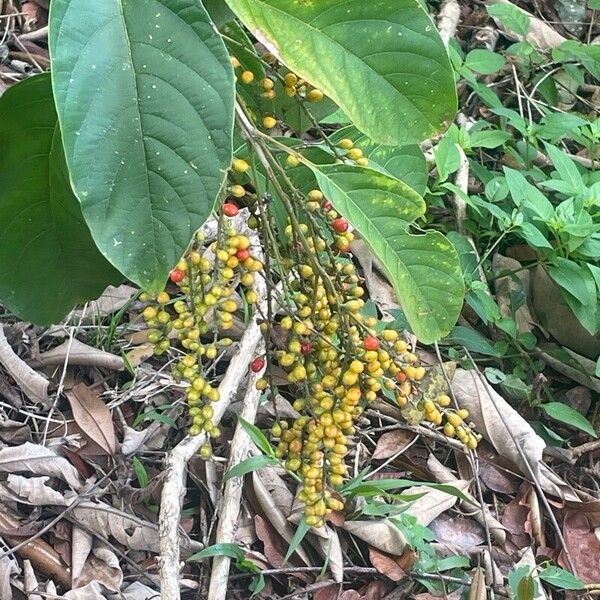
(33, 384)
(176, 462)
(232, 493)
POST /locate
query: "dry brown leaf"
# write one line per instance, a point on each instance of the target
(386, 564)
(376, 589)
(134, 533)
(102, 566)
(93, 417)
(8, 568)
(459, 534)
(501, 424)
(327, 542)
(39, 460)
(112, 299)
(140, 353)
(33, 385)
(583, 545)
(92, 591)
(30, 582)
(478, 590)
(276, 501)
(78, 353)
(34, 491)
(382, 535)
(13, 432)
(81, 546)
(433, 502)
(393, 442)
(540, 35)
(139, 591)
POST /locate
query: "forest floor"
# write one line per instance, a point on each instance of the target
(92, 424)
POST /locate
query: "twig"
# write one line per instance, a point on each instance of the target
(176, 463)
(33, 384)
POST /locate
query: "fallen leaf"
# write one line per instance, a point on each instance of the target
(381, 534)
(39, 460)
(93, 416)
(8, 568)
(30, 582)
(433, 502)
(134, 533)
(112, 299)
(78, 353)
(477, 589)
(81, 546)
(540, 35)
(583, 546)
(102, 566)
(459, 534)
(508, 432)
(393, 442)
(13, 432)
(376, 589)
(139, 591)
(386, 564)
(92, 591)
(34, 491)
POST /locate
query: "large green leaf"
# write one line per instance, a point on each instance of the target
(406, 163)
(145, 92)
(48, 260)
(424, 269)
(382, 61)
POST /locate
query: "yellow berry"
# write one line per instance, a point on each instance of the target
(267, 84)
(444, 400)
(163, 298)
(354, 153)
(290, 79)
(345, 144)
(292, 161)
(362, 161)
(315, 95)
(237, 191)
(269, 122)
(239, 165)
(247, 77)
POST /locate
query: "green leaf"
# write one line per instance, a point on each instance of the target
(140, 472)
(145, 96)
(560, 578)
(230, 550)
(566, 167)
(522, 583)
(424, 269)
(489, 138)
(254, 463)
(484, 61)
(447, 158)
(472, 340)
(48, 260)
(570, 276)
(511, 17)
(300, 533)
(257, 436)
(406, 163)
(367, 57)
(565, 414)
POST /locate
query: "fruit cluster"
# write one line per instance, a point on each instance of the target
(203, 308)
(337, 361)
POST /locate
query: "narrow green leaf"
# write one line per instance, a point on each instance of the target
(560, 578)
(565, 414)
(140, 472)
(48, 260)
(472, 340)
(145, 94)
(406, 163)
(230, 550)
(254, 463)
(301, 531)
(257, 436)
(424, 269)
(367, 57)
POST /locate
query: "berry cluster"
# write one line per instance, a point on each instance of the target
(337, 361)
(203, 308)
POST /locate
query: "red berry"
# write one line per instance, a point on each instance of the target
(305, 347)
(401, 376)
(371, 343)
(230, 209)
(177, 275)
(327, 205)
(257, 364)
(339, 225)
(243, 254)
